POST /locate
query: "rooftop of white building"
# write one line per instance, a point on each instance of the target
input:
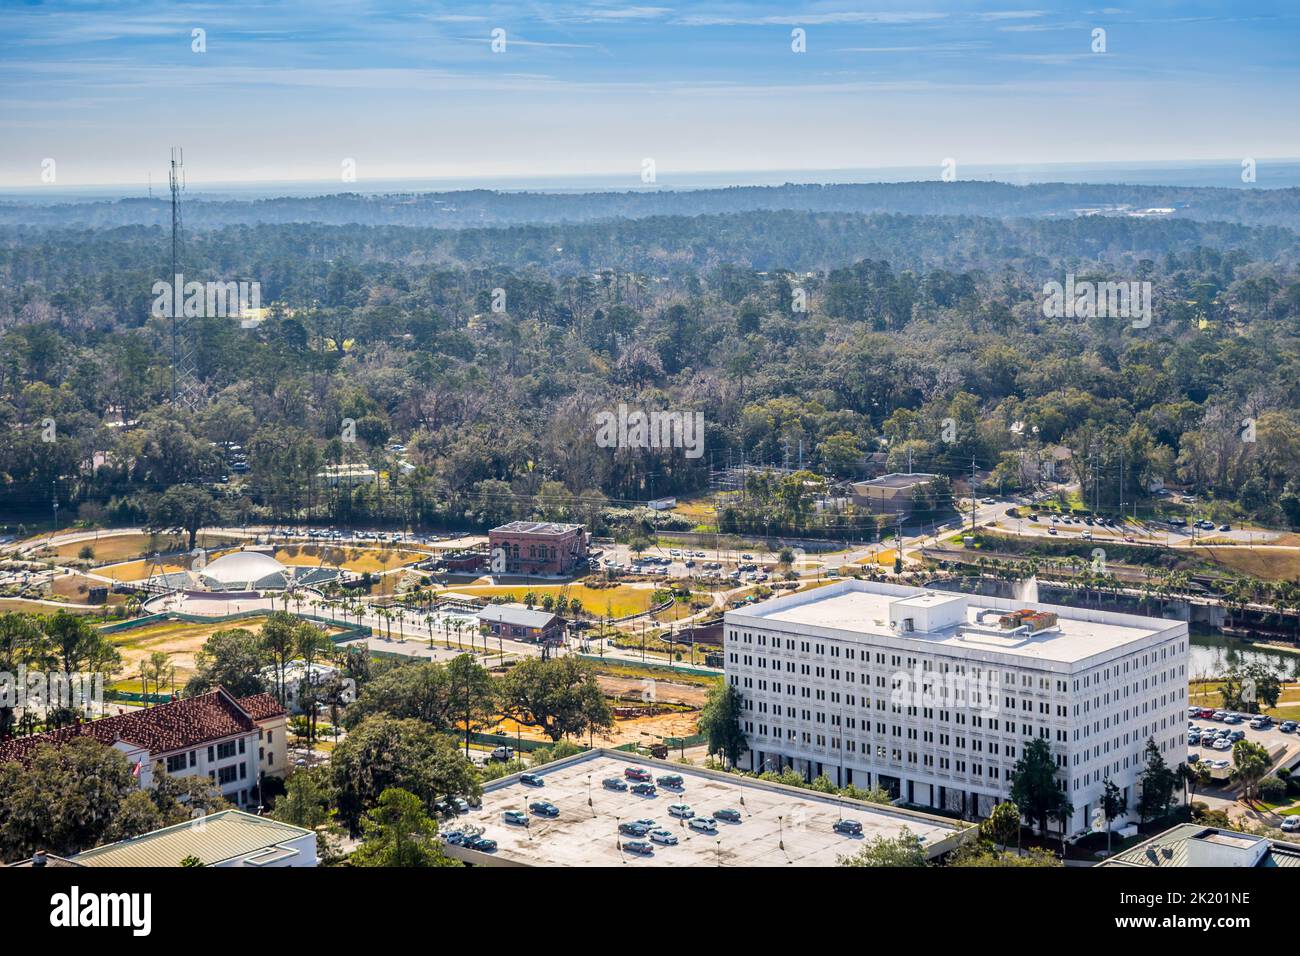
(948, 622)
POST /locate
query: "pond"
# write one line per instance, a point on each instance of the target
(1213, 655)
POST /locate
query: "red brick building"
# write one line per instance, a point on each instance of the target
(537, 547)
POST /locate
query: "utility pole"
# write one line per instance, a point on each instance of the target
(178, 160)
(972, 493)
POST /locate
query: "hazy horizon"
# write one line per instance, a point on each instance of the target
(1271, 173)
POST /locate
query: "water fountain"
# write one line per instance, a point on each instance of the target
(1026, 590)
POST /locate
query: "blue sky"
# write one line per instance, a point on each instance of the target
(289, 90)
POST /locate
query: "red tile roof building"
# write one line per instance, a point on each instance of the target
(233, 741)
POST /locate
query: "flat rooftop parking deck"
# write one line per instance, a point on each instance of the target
(779, 826)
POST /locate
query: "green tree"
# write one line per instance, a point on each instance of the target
(1002, 828)
(308, 794)
(398, 832)
(234, 659)
(560, 696)
(1157, 783)
(720, 723)
(66, 799)
(383, 752)
(473, 694)
(906, 849)
(1113, 805)
(419, 691)
(183, 506)
(1035, 787)
(22, 642)
(1250, 765)
(279, 641)
(975, 855)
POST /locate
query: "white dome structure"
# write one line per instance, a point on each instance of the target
(244, 570)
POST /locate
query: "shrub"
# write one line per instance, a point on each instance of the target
(1272, 789)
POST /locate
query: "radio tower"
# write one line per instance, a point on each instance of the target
(184, 382)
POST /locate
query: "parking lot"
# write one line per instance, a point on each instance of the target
(1272, 738)
(776, 825)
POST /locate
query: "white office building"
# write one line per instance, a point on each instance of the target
(932, 695)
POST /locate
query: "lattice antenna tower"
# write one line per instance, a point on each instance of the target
(185, 384)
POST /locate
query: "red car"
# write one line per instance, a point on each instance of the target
(636, 773)
(1207, 712)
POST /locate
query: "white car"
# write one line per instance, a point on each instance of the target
(1223, 743)
(1291, 824)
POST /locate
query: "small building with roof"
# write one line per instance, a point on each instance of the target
(516, 622)
(225, 839)
(1193, 844)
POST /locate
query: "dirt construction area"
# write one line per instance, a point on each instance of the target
(651, 689)
(635, 692)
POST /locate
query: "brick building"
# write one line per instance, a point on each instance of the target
(537, 547)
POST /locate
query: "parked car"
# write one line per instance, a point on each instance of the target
(644, 789)
(639, 847)
(453, 837)
(632, 828)
(703, 825)
(503, 754)
(727, 814)
(517, 817)
(544, 808)
(1291, 824)
(671, 781)
(532, 780)
(849, 827)
(1287, 726)
(682, 810)
(614, 783)
(480, 843)
(636, 773)
(1193, 758)
(1223, 743)
(666, 837)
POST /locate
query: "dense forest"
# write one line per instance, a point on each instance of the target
(807, 335)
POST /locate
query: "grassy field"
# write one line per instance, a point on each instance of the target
(31, 607)
(355, 559)
(1206, 694)
(76, 588)
(136, 570)
(126, 547)
(617, 601)
(883, 558)
(1264, 563)
(179, 640)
